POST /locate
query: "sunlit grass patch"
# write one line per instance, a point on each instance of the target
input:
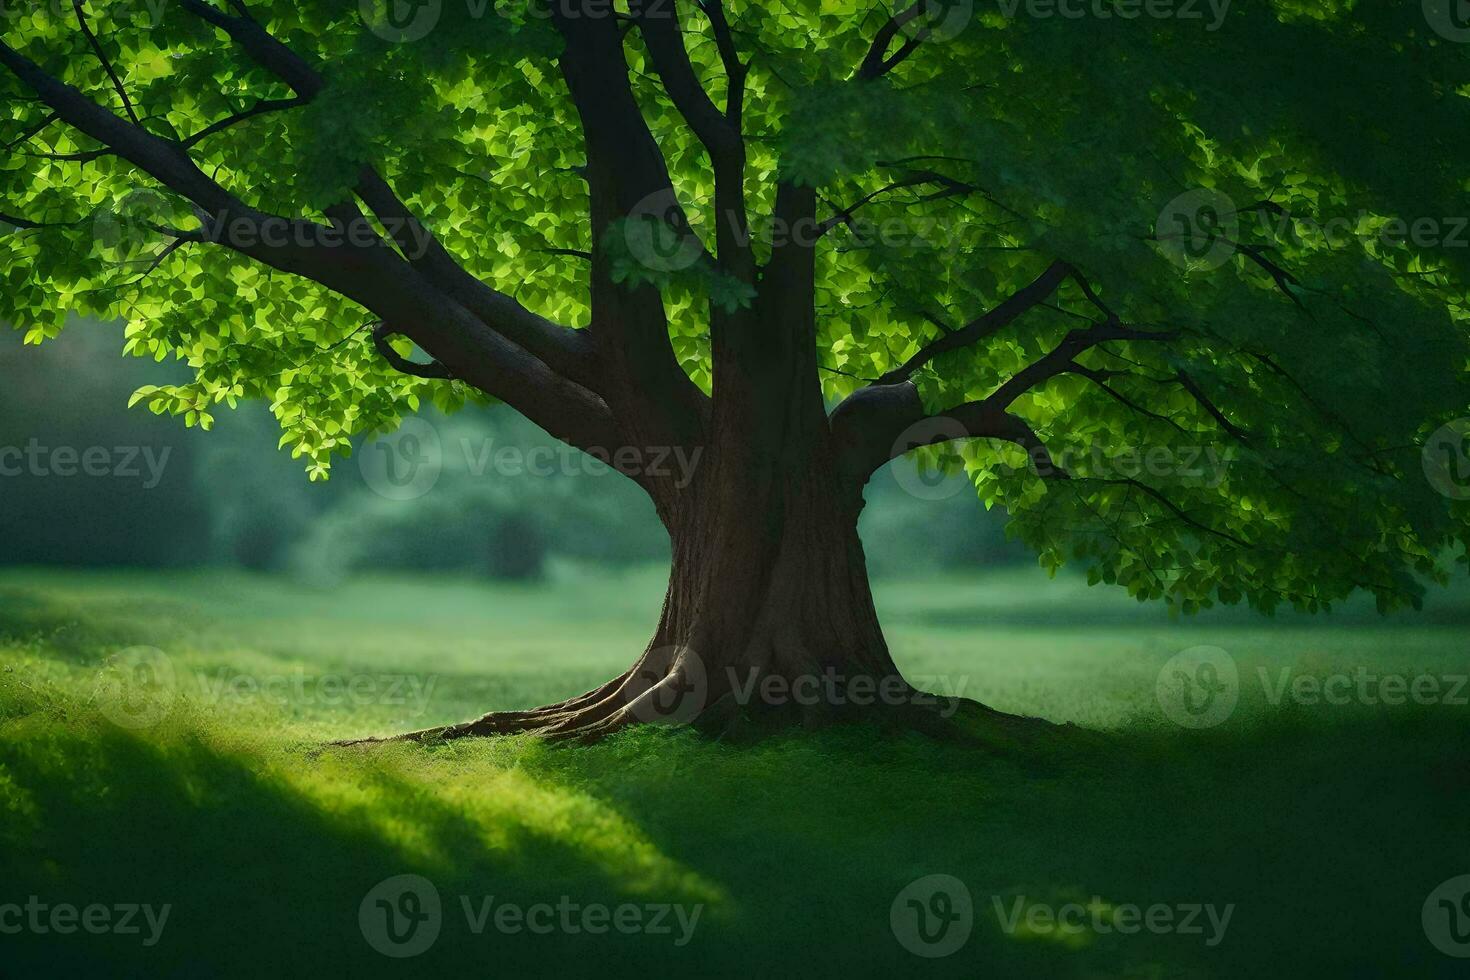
(1324, 826)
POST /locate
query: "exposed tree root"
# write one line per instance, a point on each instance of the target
(623, 702)
(593, 714)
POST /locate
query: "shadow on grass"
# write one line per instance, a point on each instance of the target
(75, 633)
(1325, 834)
(265, 860)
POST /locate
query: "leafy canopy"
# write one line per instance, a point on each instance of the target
(1321, 338)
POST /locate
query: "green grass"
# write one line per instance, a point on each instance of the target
(1326, 826)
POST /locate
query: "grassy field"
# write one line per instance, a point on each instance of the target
(1319, 829)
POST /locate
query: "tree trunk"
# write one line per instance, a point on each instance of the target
(768, 616)
(768, 623)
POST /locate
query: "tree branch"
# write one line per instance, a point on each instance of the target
(29, 133)
(261, 47)
(382, 335)
(1198, 394)
(259, 109)
(627, 180)
(371, 275)
(985, 326)
(1100, 378)
(845, 216)
(877, 62)
(659, 24)
(735, 69)
(106, 64)
(869, 424)
(563, 350)
(566, 351)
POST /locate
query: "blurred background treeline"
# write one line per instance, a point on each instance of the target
(230, 498)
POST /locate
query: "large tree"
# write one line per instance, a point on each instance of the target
(1073, 248)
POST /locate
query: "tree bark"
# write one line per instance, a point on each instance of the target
(768, 624)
